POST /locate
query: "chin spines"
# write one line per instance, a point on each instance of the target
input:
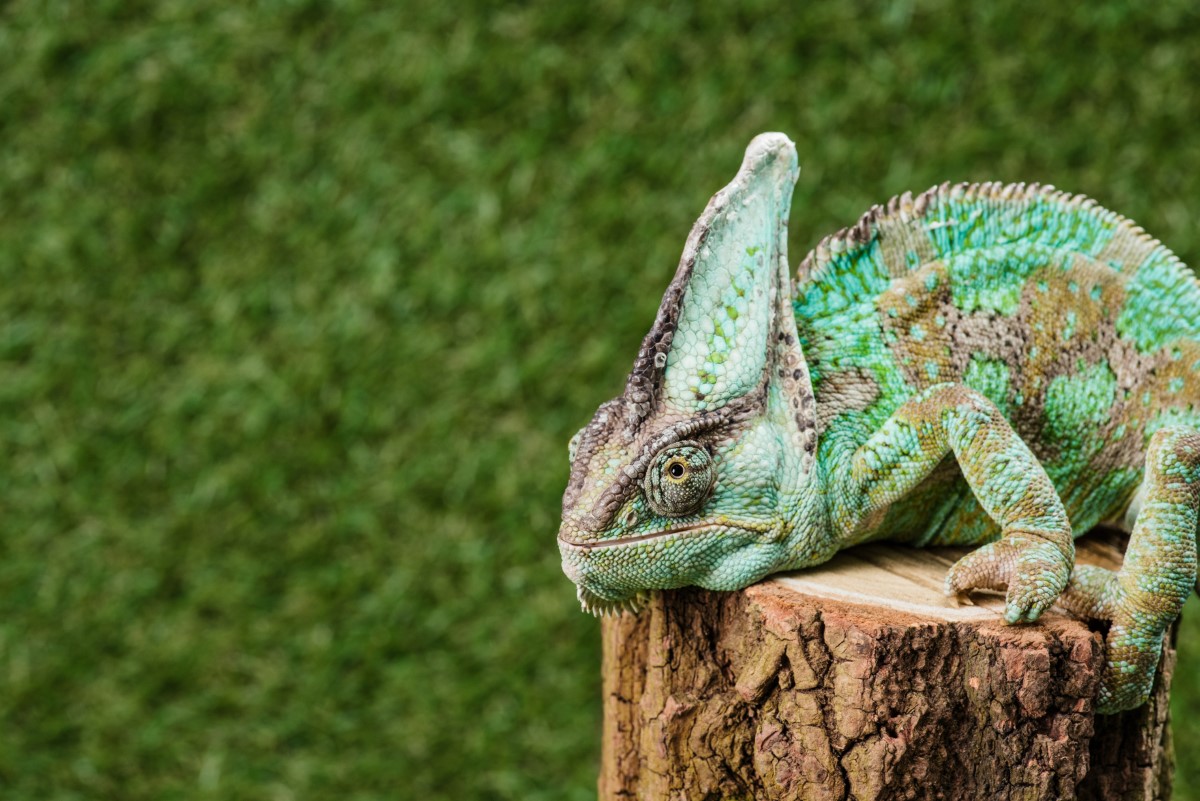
(601, 607)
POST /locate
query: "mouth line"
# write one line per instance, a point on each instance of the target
(590, 546)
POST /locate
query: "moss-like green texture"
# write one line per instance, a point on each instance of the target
(300, 303)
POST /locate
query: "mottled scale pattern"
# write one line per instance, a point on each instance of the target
(995, 365)
(1082, 329)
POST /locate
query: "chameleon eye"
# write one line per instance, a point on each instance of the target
(679, 480)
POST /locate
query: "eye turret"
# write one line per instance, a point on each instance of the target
(679, 480)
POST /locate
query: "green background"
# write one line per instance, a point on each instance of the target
(300, 303)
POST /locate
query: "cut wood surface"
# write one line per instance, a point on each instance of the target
(860, 680)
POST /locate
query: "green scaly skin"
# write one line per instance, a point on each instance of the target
(1005, 366)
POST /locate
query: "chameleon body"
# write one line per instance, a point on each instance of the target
(1000, 365)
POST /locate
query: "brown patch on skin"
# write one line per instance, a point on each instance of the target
(983, 332)
(843, 391)
(1041, 321)
(909, 304)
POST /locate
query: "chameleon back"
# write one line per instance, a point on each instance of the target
(1080, 327)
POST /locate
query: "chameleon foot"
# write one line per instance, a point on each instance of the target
(1134, 641)
(1034, 573)
(1147, 595)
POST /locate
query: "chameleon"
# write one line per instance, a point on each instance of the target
(996, 365)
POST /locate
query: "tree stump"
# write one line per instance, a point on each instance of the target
(859, 680)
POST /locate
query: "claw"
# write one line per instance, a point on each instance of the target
(1034, 575)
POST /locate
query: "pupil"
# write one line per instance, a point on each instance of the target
(676, 470)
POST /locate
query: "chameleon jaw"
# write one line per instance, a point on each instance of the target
(602, 544)
(590, 588)
(704, 527)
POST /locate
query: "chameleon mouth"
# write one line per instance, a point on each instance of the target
(654, 535)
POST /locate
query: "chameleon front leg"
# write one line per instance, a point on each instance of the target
(1146, 595)
(1035, 553)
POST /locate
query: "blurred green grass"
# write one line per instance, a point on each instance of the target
(301, 301)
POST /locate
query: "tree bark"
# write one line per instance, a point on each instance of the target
(858, 680)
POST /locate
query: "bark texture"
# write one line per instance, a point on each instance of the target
(780, 691)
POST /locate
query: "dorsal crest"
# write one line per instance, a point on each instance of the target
(907, 232)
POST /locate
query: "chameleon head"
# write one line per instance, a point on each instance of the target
(702, 471)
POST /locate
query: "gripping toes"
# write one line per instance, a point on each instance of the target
(1033, 572)
(1137, 624)
(1134, 645)
(1144, 598)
